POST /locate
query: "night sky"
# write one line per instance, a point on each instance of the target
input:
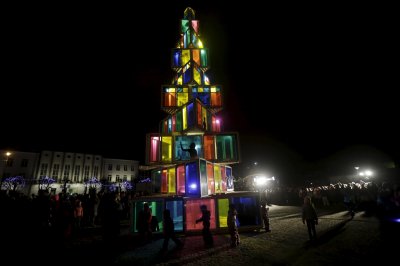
(302, 84)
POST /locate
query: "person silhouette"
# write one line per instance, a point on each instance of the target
(205, 218)
(310, 217)
(192, 150)
(232, 226)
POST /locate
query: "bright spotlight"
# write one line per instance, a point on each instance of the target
(260, 180)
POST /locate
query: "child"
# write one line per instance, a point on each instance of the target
(232, 226)
(265, 216)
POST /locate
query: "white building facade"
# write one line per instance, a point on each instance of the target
(17, 163)
(69, 170)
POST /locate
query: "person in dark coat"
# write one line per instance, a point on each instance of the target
(169, 231)
(309, 216)
(265, 216)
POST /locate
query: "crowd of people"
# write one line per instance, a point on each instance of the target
(61, 217)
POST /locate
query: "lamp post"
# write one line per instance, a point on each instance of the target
(7, 154)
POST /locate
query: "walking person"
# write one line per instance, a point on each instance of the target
(78, 216)
(205, 218)
(169, 231)
(232, 226)
(309, 216)
(265, 216)
(144, 223)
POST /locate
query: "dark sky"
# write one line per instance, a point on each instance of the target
(301, 83)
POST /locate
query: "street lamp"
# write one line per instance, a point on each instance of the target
(8, 154)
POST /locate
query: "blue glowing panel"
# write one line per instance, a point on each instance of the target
(187, 76)
(176, 58)
(192, 180)
(229, 179)
(205, 98)
(248, 209)
(190, 115)
(170, 125)
(176, 208)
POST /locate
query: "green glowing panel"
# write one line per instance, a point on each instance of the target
(226, 148)
(204, 58)
(184, 25)
(203, 178)
(179, 119)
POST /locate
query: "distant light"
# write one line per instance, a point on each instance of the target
(361, 173)
(396, 220)
(356, 167)
(193, 186)
(8, 153)
(368, 173)
(260, 180)
(255, 163)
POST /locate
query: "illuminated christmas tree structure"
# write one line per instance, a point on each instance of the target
(191, 155)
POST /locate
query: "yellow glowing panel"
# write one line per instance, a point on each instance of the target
(213, 89)
(183, 97)
(196, 56)
(200, 89)
(223, 207)
(171, 90)
(199, 44)
(184, 118)
(196, 76)
(166, 148)
(185, 56)
(171, 181)
(217, 178)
